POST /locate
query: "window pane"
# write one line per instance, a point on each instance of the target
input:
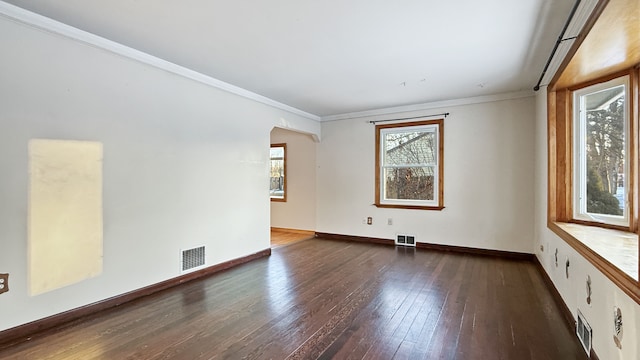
(277, 178)
(277, 152)
(410, 148)
(409, 183)
(278, 172)
(605, 151)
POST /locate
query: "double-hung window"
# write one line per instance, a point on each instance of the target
(600, 151)
(409, 167)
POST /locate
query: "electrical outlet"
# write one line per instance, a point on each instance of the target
(389, 221)
(4, 283)
(541, 248)
(369, 220)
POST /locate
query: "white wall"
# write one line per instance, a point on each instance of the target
(299, 211)
(605, 294)
(488, 180)
(185, 164)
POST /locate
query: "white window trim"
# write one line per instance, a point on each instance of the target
(434, 128)
(580, 161)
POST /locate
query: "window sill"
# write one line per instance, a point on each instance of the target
(613, 252)
(411, 207)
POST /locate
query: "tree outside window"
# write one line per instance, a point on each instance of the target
(600, 152)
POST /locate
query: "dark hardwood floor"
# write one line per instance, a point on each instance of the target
(324, 299)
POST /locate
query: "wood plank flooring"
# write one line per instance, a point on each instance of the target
(325, 299)
(282, 237)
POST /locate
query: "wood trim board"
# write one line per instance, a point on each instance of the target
(341, 237)
(434, 247)
(296, 231)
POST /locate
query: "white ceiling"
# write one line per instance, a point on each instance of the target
(336, 56)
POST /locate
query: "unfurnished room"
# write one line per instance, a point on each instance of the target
(320, 179)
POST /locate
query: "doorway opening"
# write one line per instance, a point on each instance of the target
(293, 171)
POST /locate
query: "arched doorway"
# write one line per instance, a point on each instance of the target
(293, 203)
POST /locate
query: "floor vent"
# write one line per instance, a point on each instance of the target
(193, 258)
(405, 240)
(583, 330)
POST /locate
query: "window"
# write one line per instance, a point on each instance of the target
(409, 166)
(593, 187)
(592, 131)
(278, 172)
(601, 171)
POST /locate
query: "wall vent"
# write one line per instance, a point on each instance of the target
(405, 240)
(583, 330)
(193, 258)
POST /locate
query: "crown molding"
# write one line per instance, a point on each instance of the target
(43, 23)
(430, 105)
(31, 19)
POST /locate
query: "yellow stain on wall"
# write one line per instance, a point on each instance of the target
(65, 213)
